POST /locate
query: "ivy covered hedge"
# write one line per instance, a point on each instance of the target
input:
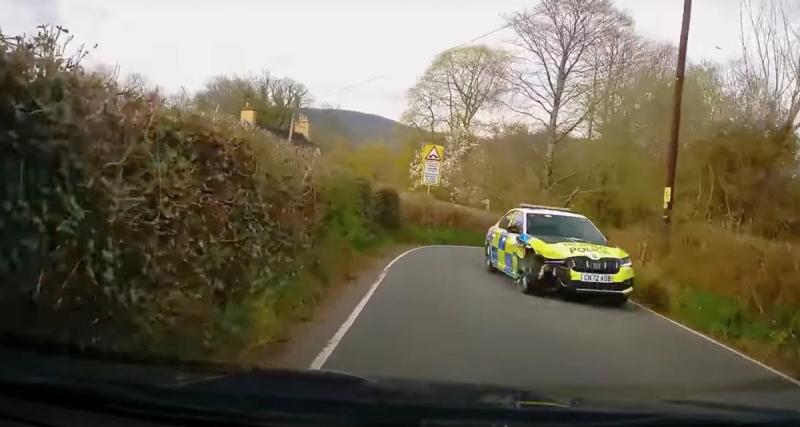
(129, 223)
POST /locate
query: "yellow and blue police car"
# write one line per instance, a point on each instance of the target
(546, 249)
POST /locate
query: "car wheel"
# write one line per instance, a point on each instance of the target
(488, 253)
(525, 282)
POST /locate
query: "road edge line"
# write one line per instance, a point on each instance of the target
(732, 350)
(331, 345)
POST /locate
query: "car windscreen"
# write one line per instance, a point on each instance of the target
(564, 226)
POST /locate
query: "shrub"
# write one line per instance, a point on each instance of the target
(417, 209)
(123, 219)
(759, 272)
(735, 286)
(651, 291)
(127, 224)
(388, 208)
(349, 210)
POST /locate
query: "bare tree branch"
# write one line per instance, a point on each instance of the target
(459, 85)
(552, 40)
(767, 78)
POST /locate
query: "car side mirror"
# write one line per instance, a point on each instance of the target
(523, 238)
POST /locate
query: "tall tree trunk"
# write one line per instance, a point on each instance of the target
(592, 104)
(548, 156)
(552, 129)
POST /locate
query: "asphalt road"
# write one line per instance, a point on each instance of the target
(439, 315)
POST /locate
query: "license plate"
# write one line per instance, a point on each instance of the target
(597, 278)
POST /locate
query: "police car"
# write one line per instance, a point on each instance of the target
(546, 249)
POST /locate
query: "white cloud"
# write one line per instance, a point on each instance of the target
(22, 16)
(326, 44)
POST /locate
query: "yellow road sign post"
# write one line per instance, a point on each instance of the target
(432, 157)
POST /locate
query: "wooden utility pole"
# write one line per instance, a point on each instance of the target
(291, 127)
(672, 152)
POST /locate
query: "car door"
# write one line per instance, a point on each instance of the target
(498, 239)
(511, 247)
(503, 261)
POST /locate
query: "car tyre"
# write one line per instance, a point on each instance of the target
(526, 282)
(489, 267)
(527, 277)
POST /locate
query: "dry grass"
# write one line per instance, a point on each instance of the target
(424, 211)
(741, 289)
(760, 273)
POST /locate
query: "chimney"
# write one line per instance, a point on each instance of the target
(248, 115)
(302, 126)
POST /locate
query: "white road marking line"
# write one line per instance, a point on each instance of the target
(326, 352)
(773, 370)
(323, 355)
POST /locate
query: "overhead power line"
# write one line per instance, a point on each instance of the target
(473, 40)
(355, 85)
(497, 30)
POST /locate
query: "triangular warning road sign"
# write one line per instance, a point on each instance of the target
(434, 155)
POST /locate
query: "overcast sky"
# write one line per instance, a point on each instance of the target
(328, 45)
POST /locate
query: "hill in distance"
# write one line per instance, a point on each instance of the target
(330, 126)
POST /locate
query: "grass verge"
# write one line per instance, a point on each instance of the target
(438, 236)
(735, 288)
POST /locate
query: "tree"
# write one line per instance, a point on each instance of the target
(228, 94)
(767, 78)
(613, 60)
(549, 77)
(286, 96)
(275, 98)
(458, 86)
(423, 110)
(288, 93)
(136, 82)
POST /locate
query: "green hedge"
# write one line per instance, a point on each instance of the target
(129, 224)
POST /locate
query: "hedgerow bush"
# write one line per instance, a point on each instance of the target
(125, 222)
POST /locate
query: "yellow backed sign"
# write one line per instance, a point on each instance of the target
(667, 196)
(433, 153)
(432, 157)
